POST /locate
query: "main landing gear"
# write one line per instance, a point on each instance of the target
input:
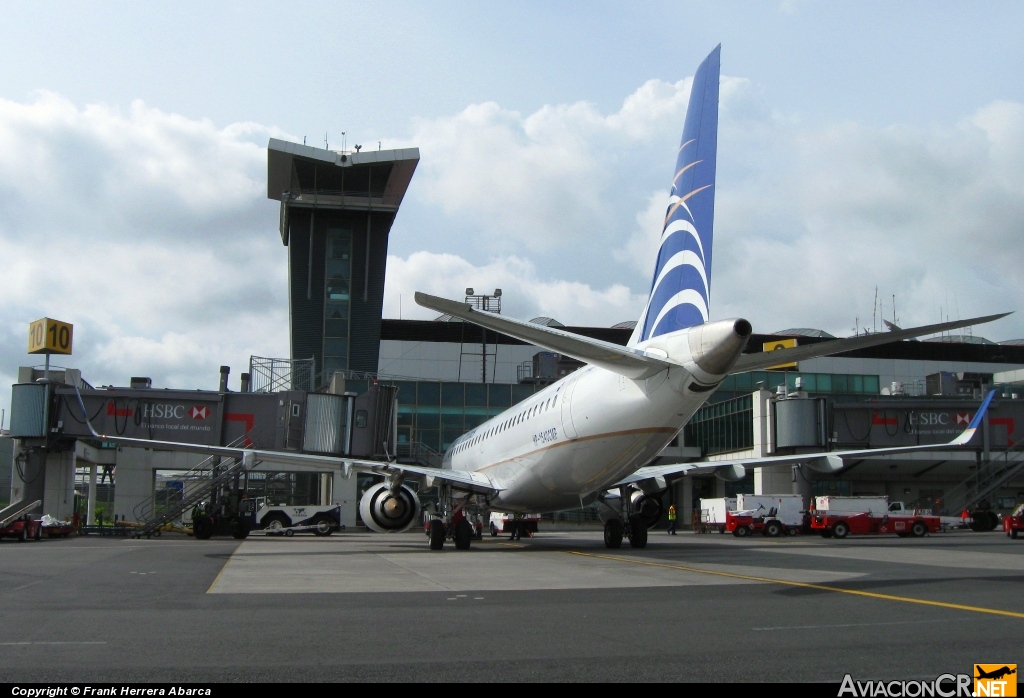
(635, 528)
(450, 523)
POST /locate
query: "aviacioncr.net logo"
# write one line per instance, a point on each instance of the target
(943, 686)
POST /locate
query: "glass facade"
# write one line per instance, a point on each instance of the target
(819, 383)
(337, 297)
(726, 423)
(436, 414)
(723, 426)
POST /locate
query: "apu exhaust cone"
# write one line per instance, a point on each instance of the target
(715, 346)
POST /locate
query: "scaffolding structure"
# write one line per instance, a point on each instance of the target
(276, 375)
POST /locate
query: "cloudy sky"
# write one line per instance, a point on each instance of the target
(861, 145)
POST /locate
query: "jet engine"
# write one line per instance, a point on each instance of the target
(385, 512)
(648, 506)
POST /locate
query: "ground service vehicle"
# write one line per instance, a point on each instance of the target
(1013, 523)
(322, 519)
(502, 523)
(713, 512)
(23, 529)
(219, 518)
(768, 514)
(842, 516)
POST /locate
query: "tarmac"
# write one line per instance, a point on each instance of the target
(555, 607)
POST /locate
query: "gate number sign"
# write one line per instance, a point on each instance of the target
(46, 336)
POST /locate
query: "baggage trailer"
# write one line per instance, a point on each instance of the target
(842, 516)
(769, 514)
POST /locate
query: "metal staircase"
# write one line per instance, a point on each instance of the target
(984, 481)
(208, 473)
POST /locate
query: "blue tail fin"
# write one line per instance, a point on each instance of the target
(681, 287)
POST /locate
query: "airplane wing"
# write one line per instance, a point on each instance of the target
(655, 477)
(462, 480)
(632, 363)
(762, 360)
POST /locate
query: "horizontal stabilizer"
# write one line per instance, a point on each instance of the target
(632, 363)
(766, 359)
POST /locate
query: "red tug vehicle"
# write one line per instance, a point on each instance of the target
(1013, 523)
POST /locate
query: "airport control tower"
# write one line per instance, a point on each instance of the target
(337, 209)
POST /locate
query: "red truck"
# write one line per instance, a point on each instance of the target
(1013, 523)
(842, 516)
(23, 529)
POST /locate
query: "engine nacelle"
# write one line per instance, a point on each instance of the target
(384, 512)
(647, 506)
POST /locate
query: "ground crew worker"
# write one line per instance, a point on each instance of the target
(516, 526)
(672, 519)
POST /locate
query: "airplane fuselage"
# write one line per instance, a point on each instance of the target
(577, 437)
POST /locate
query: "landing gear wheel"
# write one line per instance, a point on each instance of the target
(289, 533)
(918, 529)
(613, 534)
(741, 532)
(494, 531)
(772, 529)
(463, 534)
(324, 527)
(841, 529)
(637, 531)
(437, 534)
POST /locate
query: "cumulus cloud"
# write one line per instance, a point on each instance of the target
(149, 231)
(524, 293)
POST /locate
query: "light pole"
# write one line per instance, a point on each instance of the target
(490, 303)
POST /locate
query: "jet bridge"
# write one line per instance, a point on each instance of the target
(53, 440)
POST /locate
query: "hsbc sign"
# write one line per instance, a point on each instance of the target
(151, 411)
(171, 411)
(937, 423)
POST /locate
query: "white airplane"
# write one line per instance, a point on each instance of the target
(597, 429)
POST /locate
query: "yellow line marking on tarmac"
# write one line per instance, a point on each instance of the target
(806, 585)
(217, 578)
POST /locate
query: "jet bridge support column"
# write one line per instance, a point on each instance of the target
(90, 507)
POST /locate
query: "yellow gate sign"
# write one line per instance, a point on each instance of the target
(780, 344)
(46, 336)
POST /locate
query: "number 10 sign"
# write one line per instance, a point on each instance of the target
(46, 336)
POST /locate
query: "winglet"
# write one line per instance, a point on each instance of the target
(975, 423)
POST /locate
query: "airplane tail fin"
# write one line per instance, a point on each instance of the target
(681, 285)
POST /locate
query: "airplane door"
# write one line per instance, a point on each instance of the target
(568, 428)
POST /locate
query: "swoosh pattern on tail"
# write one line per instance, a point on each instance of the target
(681, 287)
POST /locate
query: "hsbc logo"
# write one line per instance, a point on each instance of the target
(930, 419)
(200, 412)
(963, 417)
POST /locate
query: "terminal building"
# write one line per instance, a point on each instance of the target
(357, 384)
